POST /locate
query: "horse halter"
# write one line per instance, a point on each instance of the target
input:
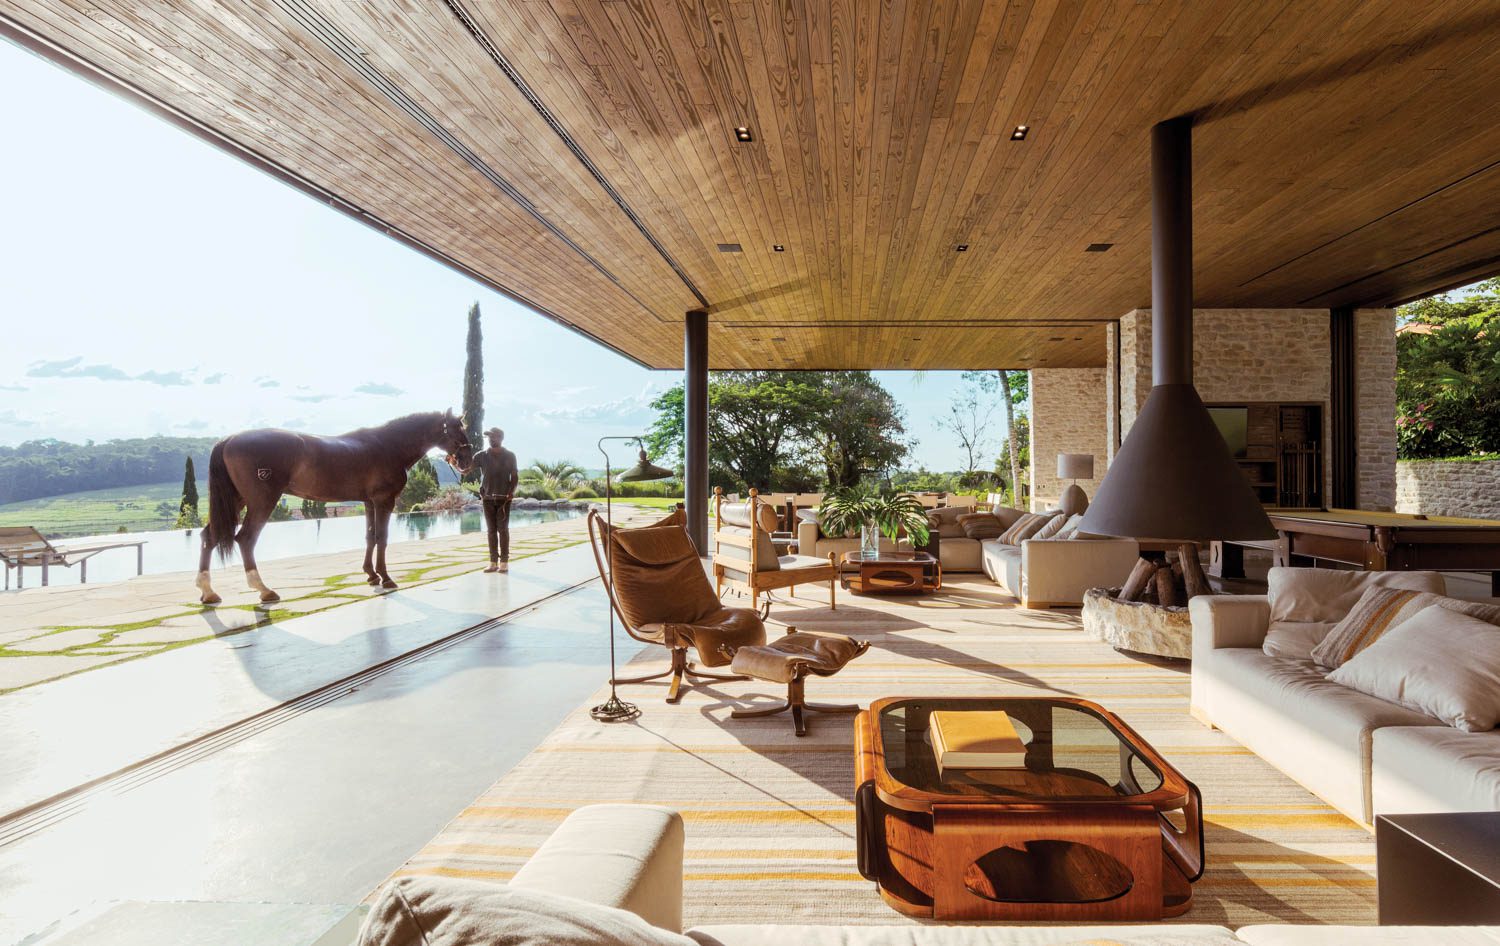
(451, 455)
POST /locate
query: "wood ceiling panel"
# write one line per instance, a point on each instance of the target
(581, 154)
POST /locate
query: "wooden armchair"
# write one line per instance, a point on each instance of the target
(745, 559)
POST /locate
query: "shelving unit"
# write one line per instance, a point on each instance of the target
(1283, 459)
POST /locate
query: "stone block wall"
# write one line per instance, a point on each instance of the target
(1068, 411)
(1449, 488)
(1241, 355)
(1375, 407)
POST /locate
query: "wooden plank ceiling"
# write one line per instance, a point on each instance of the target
(581, 154)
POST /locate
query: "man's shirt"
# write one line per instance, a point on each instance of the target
(497, 468)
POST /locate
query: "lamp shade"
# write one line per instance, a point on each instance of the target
(1175, 479)
(1075, 466)
(643, 470)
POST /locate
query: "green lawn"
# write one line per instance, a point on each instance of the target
(99, 511)
(651, 502)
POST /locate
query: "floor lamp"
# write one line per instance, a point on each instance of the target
(614, 709)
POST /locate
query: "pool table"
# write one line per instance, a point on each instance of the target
(1375, 541)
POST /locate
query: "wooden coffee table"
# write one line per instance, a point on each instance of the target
(894, 573)
(1081, 834)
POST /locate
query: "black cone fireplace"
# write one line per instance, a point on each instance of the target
(1173, 478)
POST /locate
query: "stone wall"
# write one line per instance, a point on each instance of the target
(1375, 407)
(1449, 488)
(1068, 411)
(1241, 355)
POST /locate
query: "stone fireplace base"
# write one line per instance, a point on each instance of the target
(1137, 626)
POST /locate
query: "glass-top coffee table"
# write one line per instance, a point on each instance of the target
(892, 573)
(1096, 827)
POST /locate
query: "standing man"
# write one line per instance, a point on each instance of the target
(497, 487)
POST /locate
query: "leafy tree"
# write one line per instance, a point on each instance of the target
(314, 509)
(281, 512)
(473, 415)
(1448, 378)
(50, 467)
(858, 427)
(559, 477)
(421, 485)
(187, 509)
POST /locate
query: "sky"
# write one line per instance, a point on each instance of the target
(152, 284)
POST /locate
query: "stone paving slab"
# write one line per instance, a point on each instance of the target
(18, 671)
(60, 640)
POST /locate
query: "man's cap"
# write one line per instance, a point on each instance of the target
(495, 432)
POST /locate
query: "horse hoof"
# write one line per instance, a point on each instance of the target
(210, 599)
(388, 583)
(266, 597)
(373, 580)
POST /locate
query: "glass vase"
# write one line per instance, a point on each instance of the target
(869, 540)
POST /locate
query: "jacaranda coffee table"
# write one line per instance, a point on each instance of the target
(1096, 827)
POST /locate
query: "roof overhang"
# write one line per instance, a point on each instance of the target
(582, 157)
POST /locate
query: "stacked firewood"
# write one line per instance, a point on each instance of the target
(1170, 584)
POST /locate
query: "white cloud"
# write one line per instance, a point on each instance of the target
(380, 390)
(631, 408)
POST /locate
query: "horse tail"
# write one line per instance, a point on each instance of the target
(223, 502)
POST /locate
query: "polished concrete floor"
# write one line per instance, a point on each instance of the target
(273, 838)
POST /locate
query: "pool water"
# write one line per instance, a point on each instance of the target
(177, 550)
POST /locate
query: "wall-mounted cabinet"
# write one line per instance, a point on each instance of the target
(1279, 448)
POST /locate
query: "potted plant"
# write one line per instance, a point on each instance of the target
(872, 514)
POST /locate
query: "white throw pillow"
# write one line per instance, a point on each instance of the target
(1295, 639)
(1327, 594)
(1054, 526)
(1070, 526)
(442, 911)
(1439, 662)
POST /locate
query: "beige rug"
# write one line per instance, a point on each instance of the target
(770, 830)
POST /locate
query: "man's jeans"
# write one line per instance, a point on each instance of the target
(497, 522)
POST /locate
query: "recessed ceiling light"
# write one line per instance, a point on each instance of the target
(1077, 338)
(779, 248)
(1098, 247)
(729, 248)
(962, 248)
(777, 338)
(1020, 133)
(741, 133)
(916, 338)
(1055, 339)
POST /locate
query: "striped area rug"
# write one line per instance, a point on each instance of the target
(770, 828)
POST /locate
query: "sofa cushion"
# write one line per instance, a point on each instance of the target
(1421, 769)
(1379, 609)
(1315, 731)
(729, 555)
(443, 911)
(1007, 514)
(1176, 934)
(1327, 594)
(1002, 563)
(1313, 934)
(945, 521)
(960, 555)
(1294, 640)
(1070, 526)
(981, 526)
(1053, 526)
(1025, 527)
(1440, 662)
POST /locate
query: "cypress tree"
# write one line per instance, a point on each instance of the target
(474, 386)
(187, 509)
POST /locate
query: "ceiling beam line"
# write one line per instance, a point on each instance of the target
(103, 80)
(517, 80)
(327, 33)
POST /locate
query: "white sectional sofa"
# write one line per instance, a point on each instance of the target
(612, 874)
(1254, 678)
(1047, 573)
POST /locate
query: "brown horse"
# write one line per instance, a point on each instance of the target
(250, 471)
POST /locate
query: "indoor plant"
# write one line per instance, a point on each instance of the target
(858, 508)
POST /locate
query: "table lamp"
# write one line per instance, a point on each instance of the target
(1075, 467)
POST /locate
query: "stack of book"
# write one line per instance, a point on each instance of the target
(976, 739)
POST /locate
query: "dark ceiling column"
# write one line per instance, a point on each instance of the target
(1341, 407)
(1172, 252)
(695, 424)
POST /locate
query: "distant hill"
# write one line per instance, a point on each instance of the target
(39, 468)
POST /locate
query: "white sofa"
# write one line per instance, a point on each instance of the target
(628, 860)
(1047, 573)
(1363, 755)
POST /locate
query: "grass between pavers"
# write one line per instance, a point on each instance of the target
(335, 591)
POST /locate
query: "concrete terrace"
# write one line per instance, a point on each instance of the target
(54, 632)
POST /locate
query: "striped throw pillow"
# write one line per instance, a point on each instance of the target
(1008, 537)
(1381, 608)
(980, 525)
